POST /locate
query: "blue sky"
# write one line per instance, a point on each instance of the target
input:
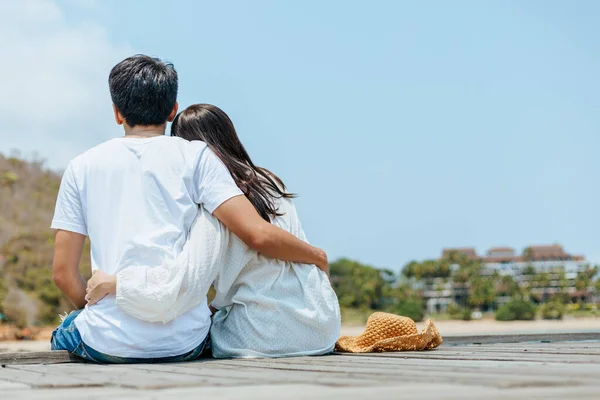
(404, 126)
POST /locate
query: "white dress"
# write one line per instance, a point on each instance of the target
(267, 307)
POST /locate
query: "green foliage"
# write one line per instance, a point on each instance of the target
(585, 279)
(529, 270)
(507, 286)
(29, 266)
(552, 310)
(528, 254)
(27, 197)
(517, 309)
(466, 314)
(483, 292)
(505, 314)
(362, 289)
(357, 285)
(412, 308)
(454, 311)
(8, 179)
(427, 269)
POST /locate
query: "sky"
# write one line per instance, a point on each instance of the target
(404, 126)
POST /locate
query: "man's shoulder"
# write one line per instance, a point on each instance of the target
(195, 151)
(91, 153)
(174, 146)
(195, 146)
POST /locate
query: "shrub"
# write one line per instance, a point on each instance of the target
(521, 310)
(454, 311)
(552, 310)
(504, 313)
(457, 312)
(410, 308)
(467, 314)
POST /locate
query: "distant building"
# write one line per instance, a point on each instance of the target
(560, 271)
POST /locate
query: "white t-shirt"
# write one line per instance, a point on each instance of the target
(136, 199)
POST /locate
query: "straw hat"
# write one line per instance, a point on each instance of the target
(389, 332)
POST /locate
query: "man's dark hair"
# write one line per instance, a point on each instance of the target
(144, 89)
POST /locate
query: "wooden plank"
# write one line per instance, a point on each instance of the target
(557, 370)
(562, 345)
(126, 376)
(533, 340)
(478, 377)
(7, 385)
(546, 337)
(301, 392)
(247, 376)
(378, 360)
(591, 352)
(83, 393)
(43, 380)
(531, 345)
(547, 350)
(573, 359)
(582, 372)
(39, 357)
(409, 378)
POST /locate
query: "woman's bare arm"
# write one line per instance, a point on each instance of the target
(240, 216)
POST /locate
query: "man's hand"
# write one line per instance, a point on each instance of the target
(240, 216)
(99, 286)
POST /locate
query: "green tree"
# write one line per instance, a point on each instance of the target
(529, 270)
(427, 269)
(507, 286)
(357, 285)
(467, 271)
(360, 286)
(456, 257)
(482, 292)
(542, 283)
(584, 282)
(527, 254)
(412, 270)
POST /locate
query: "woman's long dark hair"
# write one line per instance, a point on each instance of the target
(211, 125)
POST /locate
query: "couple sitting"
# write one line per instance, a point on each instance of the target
(169, 216)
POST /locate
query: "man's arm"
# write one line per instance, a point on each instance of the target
(240, 216)
(217, 192)
(68, 247)
(71, 230)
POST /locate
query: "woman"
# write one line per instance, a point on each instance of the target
(264, 307)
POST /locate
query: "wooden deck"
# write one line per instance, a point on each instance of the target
(542, 368)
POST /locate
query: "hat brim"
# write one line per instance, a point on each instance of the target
(429, 338)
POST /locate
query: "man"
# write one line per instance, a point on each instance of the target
(136, 197)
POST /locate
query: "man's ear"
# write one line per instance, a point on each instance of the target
(173, 112)
(118, 117)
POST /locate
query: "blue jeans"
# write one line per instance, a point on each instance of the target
(67, 337)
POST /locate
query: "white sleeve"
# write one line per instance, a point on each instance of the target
(161, 294)
(68, 214)
(213, 182)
